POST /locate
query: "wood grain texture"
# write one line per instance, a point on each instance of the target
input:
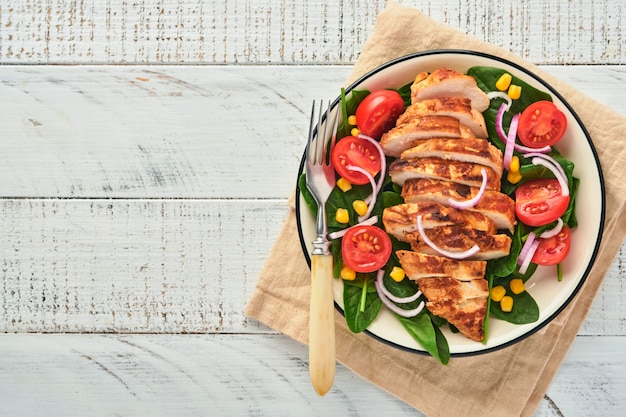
(192, 375)
(139, 199)
(284, 32)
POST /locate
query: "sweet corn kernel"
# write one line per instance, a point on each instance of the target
(397, 274)
(360, 207)
(513, 177)
(355, 131)
(514, 165)
(343, 184)
(352, 120)
(347, 273)
(342, 215)
(517, 286)
(504, 81)
(497, 293)
(506, 304)
(515, 91)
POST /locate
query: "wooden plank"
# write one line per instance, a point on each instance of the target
(228, 375)
(284, 32)
(132, 266)
(160, 266)
(164, 132)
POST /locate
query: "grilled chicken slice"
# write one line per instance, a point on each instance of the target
(497, 206)
(459, 239)
(402, 218)
(402, 137)
(474, 150)
(465, 173)
(418, 265)
(466, 315)
(446, 82)
(458, 107)
(447, 288)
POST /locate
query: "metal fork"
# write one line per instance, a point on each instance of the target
(320, 180)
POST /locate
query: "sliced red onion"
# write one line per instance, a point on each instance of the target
(526, 247)
(522, 149)
(389, 295)
(339, 233)
(510, 142)
(554, 231)
(499, 125)
(504, 138)
(391, 306)
(503, 96)
(449, 254)
(557, 173)
(371, 200)
(462, 205)
(547, 158)
(528, 258)
(381, 154)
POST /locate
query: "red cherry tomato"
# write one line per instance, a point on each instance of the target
(540, 202)
(541, 124)
(352, 151)
(378, 111)
(553, 250)
(365, 248)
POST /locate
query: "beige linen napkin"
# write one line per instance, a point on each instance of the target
(467, 386)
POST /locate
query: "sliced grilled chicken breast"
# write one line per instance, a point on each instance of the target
(446, 82)
(418, 265)
(465, 173)
(474, 150)
(459, 239)
(458, 107)
(497, 206)
(447, 288)
(402, 137)
(402, 218)
(466, 315)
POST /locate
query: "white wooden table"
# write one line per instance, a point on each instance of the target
(147, 149)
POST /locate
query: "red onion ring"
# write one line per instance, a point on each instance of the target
(462, 205)
(339, 233)
(503, 96)
(504, 138)
(372, 199)
(381, 155)
(554, 231)
(389, 295)
(510, 142)
(547, 158)
(557, 173)
(529, 256)
(391, 306)
(449, 254)
(526, 247)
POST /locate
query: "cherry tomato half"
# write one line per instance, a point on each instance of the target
(356, 152)
(541, 124)
(365, 248)
(553, 250)
(540, 202)
(378, 111)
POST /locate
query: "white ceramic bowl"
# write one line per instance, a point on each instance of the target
(551, 295)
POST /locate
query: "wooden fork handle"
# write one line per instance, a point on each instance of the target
(322, 324)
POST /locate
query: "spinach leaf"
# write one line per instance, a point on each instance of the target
(429, 336)
(358, 316)
(525, 309)
(486, 78)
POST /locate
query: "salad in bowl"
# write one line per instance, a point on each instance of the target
(468, 205)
